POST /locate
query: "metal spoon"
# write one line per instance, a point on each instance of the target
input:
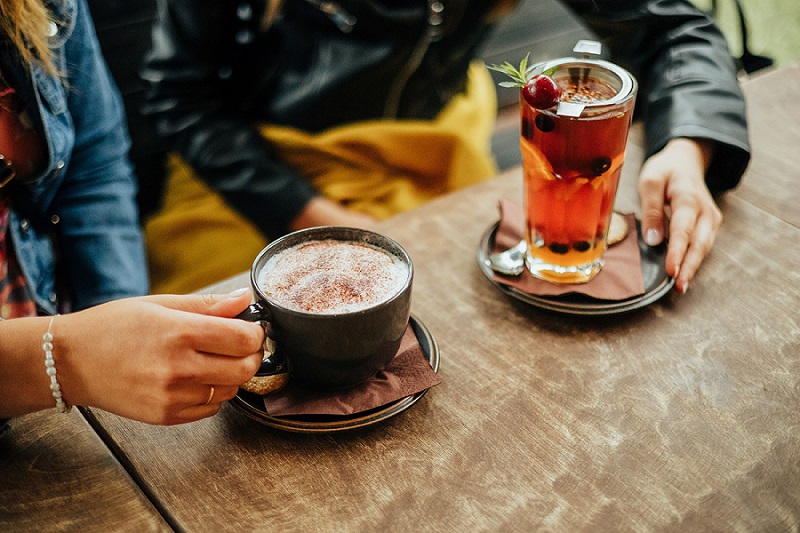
(510, 262)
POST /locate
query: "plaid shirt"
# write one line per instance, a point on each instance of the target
(15, 298)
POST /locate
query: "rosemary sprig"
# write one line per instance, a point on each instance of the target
(519, 75)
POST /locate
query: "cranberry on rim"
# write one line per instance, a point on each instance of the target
(541, 92)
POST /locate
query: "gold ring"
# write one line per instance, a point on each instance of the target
(210, 395)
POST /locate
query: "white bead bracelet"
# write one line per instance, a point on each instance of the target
(50, 365)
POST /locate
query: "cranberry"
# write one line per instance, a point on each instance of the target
(545, 123)
(600, 165)
(541, 92)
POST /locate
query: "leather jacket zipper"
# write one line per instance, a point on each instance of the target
(346, 22)
(432, 34)
(338, 15)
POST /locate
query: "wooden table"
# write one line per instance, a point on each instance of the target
(683, 416)
(57, 475)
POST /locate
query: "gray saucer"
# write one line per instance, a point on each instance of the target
(657, 283)
(252, 405)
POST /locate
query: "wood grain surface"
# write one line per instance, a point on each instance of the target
(57, 475)
(683, 416)
(774, 120)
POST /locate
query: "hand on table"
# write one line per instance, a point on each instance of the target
(321, 211)
(155, 359)
(672, 188)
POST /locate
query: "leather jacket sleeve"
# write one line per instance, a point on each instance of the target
(193, 72)
(688, 81)
(206, 69)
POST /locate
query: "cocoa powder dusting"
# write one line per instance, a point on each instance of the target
(332, 276)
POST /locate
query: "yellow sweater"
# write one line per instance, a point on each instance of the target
(377, 167)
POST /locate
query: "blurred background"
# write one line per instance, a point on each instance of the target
(542, 27)
(545, 28)
(774, 26)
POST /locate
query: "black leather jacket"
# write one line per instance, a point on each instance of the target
(213, 75)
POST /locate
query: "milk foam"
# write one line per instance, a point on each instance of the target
(332, 276)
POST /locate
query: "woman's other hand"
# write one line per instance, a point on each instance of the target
(672, 189)
(321, 211)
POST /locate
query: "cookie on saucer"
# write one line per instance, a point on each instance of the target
(265, 384)
(618, 229)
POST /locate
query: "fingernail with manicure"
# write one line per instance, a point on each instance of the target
(685, 287)
(652, 237)
(238, 292)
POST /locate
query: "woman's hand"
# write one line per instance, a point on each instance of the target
(321, 211)
(155, 359)
(672, 188)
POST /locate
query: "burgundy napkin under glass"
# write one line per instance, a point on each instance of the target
(408, 373)
(620, 278)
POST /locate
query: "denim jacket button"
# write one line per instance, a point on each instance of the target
(24, 226)
(55, 219)
(52, 297)
(60, 165)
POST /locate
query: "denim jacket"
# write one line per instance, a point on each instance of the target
(79, 218)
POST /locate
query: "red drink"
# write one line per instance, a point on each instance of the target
(572, 166)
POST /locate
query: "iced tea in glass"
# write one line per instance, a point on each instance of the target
(572, 156)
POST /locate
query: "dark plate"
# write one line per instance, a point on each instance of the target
(253, 406)
(657, 283)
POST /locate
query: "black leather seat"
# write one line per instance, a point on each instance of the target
(123, 29)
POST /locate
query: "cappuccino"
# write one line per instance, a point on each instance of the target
(332, 277)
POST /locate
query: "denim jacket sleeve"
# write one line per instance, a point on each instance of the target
(87, 196)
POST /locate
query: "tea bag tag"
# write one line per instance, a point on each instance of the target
(569, 109)
(587, 48)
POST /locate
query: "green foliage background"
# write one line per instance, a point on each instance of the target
(773, 27)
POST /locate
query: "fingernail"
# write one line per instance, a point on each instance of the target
(652, 237)
(685, 287)
(238, 292)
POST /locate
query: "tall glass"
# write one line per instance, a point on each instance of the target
(572, 157)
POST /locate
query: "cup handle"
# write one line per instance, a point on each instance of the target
(272, 363)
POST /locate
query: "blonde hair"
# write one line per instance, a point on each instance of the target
(25, 24)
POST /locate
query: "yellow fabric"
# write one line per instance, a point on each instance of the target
(377, 167)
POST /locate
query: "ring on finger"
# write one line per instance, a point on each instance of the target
(210, 395)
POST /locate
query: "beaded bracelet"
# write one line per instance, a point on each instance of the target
(50, 365)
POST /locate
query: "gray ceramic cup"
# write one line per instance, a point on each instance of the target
(330, 350)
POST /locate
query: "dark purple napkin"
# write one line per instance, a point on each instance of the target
(619, 279)
(408, 373)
